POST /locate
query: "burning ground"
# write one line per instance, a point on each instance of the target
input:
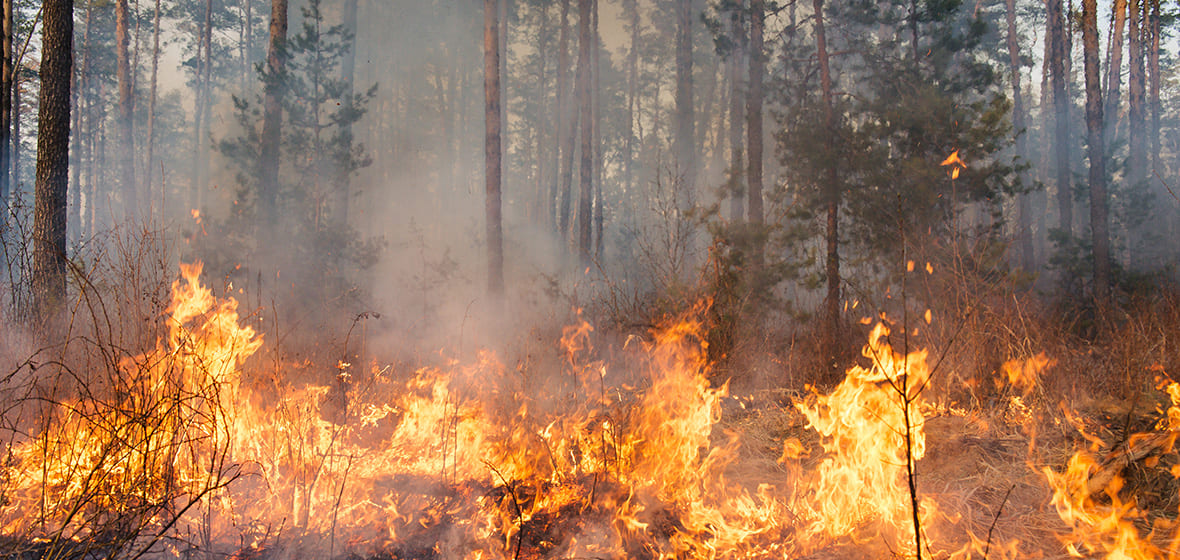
(599, 446)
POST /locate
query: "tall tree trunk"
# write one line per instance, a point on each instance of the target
(151, 116)
(539, 203)
(272, 121)
(343, 168)
(685, 130)
(1136, 125)
(631, 14)
(1024, 226)
(1114, 70)
(596, 128)
(586, 171)
(567, 123)
(76, 138)
(53, 153)
(6, 107)
(1061, 103)
(737, 194)
(1153, 63)
(754, 110)
(492, 155)
(832, 191)
(1099, 222)
(126, 143)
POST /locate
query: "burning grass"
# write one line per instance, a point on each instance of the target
(571, 454)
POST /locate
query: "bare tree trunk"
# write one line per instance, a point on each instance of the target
(1153, 62)
(832, 326)
(126, 143)
(492, 155)
(685, 129)
(586, 171)
(1136, 125)
(1099, 221)
(754, 110)
(53, 153)
(737, 192)
(567, 123)
(540, 201)
(1024, 227)
(6, 107)
(1061, 103)
(268, 160)
(1114, 71)
(151, 116)
(343, 168)
(596, 128)
(631, 13)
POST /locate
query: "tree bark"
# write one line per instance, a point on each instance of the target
(586, 169)
(754, 111)
(151, 116)
(631, 13)
(567, 124)
(1024, 226)
(126, 143)
(832, 195)
(53, 152)
(492, 155)
(1136, 124)
(1153, 62)
(596, 128)
(342, 187)
(685, 129)
(272, 121)
(1099, 221)
(737, 192)
(1061, 103)
(6, 107)
(1114, 70)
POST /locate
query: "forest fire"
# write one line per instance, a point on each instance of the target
(624, 459)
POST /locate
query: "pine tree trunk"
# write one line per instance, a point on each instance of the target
(1153, 62)
(343, 168)
(567, 124)
(492, 155)
(737, 192)
(539, 201)
(754, 111)
(586, 171)
(685, 134)
(1024, 227)
(832, 326)
(272, 121)
(631, 13)
(126, 138)
(1061, 103)
(151, 116)
(1136, 125)
(1099, 222)
(1114, 71)
(6, 108)
(596, 129)
(53, 153)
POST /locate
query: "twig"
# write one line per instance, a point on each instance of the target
(515, 503)
(987, 547)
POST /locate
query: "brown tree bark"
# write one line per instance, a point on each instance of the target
(631, 14)
(1114, 69)
(6, 106)
(272, 120)
(596, 128)
(1099, 221)
(1153, 63)
(126, 118)
(737, 192)
(1136, 124)
(151, 116)
(754, 111)
(53, 162)
(492, 155)
(832, 195)
(342, 170)
(1061, 140)
(685, 130)
(586, 169)
(1024, 213)
(567, 124)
